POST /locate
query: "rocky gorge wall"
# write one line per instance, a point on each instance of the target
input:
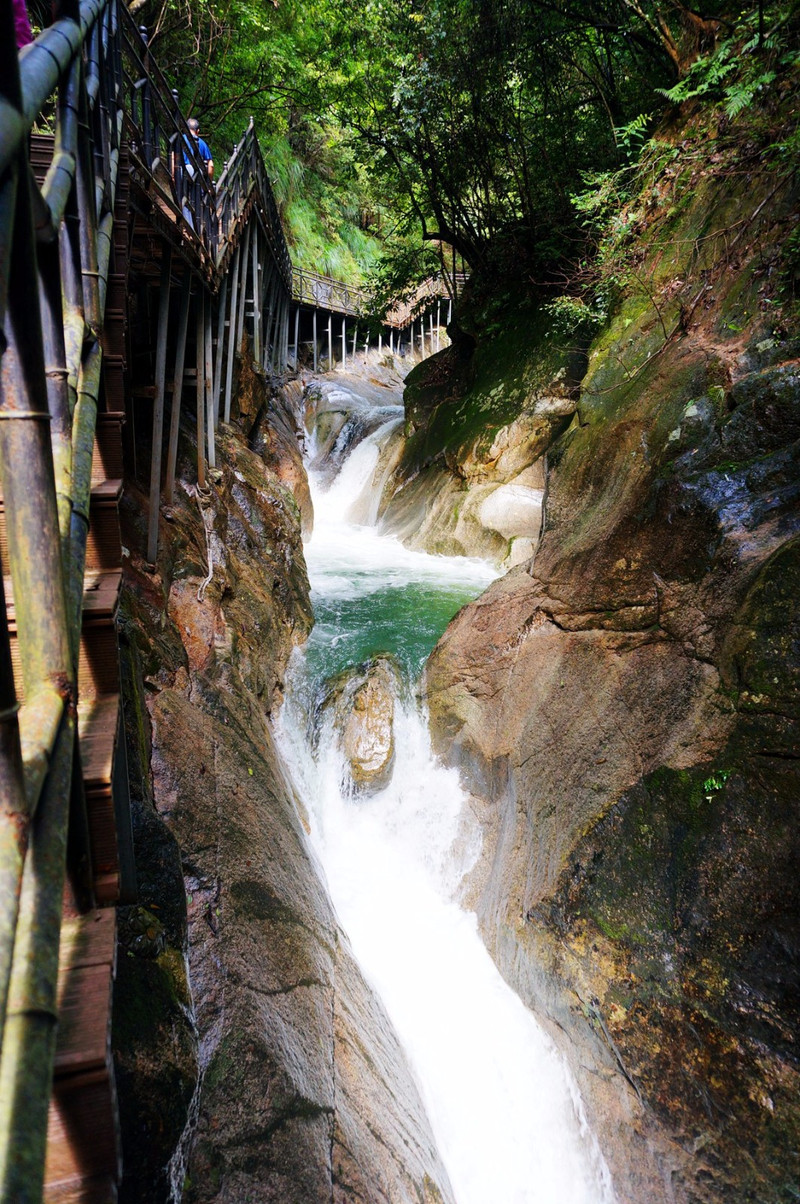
(624, 705)
(253, 1060)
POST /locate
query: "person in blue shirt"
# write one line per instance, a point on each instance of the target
(202, 149)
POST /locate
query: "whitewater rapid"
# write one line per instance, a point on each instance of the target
(504, 1109)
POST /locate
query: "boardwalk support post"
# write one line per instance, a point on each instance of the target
(177, 387)
(200, 361)
(158, 405)
(232, 327)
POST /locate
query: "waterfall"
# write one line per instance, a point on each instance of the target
(505, 1111)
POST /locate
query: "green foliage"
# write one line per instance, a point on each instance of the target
(743, 65)
(630, 137)
(573, 316)
(715, 783)
(466, 126)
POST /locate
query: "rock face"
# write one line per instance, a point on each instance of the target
(339, 414)
(362, 701)
(271, 1072)
(629, 702)
(469, 477)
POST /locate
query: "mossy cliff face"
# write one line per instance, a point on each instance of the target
(254, 1061)
(468, 474)
(628, 703)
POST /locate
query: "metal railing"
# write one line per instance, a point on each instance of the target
(323, 292)
(55, 246)
(245, 181)
(164, 158)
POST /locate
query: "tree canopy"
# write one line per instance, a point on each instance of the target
(464, 125)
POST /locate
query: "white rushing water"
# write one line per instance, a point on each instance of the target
(504, 1110)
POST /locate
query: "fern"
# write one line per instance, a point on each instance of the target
(630, 137)
(740, 95)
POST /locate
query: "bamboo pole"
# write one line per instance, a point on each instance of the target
(29, 1036)
(177, 387)
(271, 324)
(296, 336)
(158, 405)
(315, 337)
(256, 294)
(14, 808)
(243, 286)
(34, 545)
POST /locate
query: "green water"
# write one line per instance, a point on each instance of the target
(372, 596)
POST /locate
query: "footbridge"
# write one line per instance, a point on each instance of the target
(413, 327)
(128, 287)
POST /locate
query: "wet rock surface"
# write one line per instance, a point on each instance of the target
(342, 412)
(254, 1062)
(628, 705)
(469, 477)
(361, 703)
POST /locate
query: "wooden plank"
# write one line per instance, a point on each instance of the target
(97, 727)
(106, 491)
(82, 1145)
(107, 453)
(100, 594)
(101, 1189)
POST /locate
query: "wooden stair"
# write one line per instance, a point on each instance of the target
(82, 1164)
(83, 1149)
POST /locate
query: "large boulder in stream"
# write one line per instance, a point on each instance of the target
(361, 705)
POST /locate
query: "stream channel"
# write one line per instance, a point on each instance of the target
(504, 1109)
